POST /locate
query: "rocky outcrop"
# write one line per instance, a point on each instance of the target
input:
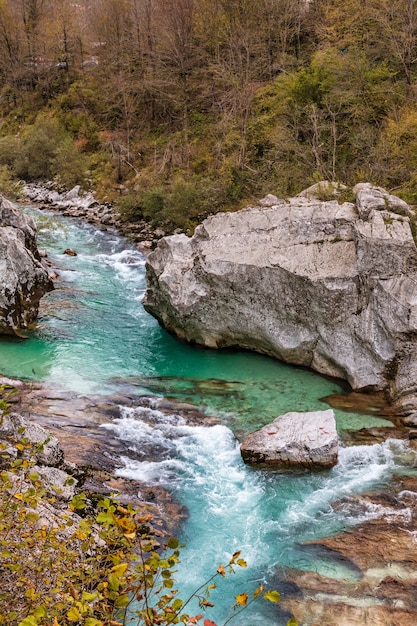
(326, 284)
(294, 441)
(23, 277)
(45, 458)
(49, 452)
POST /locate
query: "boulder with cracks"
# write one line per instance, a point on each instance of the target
(325, 284)
(24, 278)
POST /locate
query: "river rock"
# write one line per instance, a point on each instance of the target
(323, 284)
(47, 450)
(24, 279)
(70, 252)
(294, 441)
(410, 420)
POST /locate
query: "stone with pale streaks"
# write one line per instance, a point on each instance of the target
(294, 441)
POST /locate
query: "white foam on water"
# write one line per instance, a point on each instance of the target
(125, 261)
(370, 511)
(359, 469)
(125, 266)
(238, 507)
(149, 429)
(210, 472)
(234, 507)
(149, 471)
(69, 276)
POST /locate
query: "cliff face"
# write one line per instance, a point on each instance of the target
(23, 278)
(316, 283)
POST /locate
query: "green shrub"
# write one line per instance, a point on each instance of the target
(129, 207)
(9, 186)
(37, 149)
(45, 151)
(8, 149)
(153, 204)
(68, 165)
(181, 204)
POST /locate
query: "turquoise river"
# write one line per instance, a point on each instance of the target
(93, 336)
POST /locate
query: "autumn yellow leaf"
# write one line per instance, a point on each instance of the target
(73, 614)
(258, 591)
(242, 599)
(221, 570)
(130, 535)
(235, 556)
(272, 596)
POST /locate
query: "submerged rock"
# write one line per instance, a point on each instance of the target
(381, 553)
(314, 283)
(24, 279)
(70, 252)
(294, 441)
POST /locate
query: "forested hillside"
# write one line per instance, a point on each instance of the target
(176, 108)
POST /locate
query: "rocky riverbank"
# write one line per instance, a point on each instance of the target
(83, 205)
(380, 552)
(76, 421)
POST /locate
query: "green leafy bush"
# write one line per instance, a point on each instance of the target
(153, 203)
(129, 207)
(8, 149)
(44, 151)
(68, 165)
(181, 204)
(37, 149)
(9, 186)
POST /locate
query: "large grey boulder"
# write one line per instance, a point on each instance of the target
(294, 441)
(323, 284)
(23, 277)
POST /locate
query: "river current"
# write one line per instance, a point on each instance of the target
(93, 336)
